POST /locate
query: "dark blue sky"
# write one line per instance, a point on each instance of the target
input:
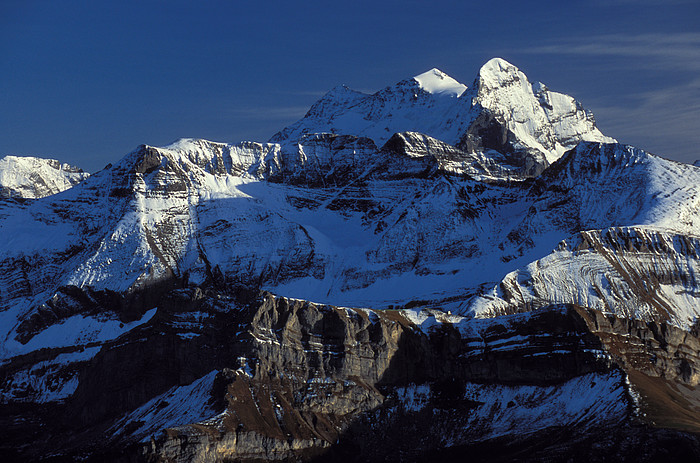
(87, 81)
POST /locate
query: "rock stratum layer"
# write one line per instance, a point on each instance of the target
(434, 271)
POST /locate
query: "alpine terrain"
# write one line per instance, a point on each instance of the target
(433, 272)
(29, 177)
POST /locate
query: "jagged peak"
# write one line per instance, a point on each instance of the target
(617, 151)
(188, 144)
(145, 159)
(338, 98)
(438, 83)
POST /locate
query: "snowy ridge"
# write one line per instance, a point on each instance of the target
(633, 273)
(532, 118)
(31, 177)
(612, 184)
(406, 106)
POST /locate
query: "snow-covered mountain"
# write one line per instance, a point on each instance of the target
(31, 177)
(501, 112)
(481, 261)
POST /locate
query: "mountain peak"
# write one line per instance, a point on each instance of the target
(438, 83)
(498, 72)
(503, 111)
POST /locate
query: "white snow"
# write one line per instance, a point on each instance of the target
(591, 399)
(435, 104)
(546, 121)
(179, 406)
(505, 410)
(46, 381)
(438, 83)
(32, 177)
(73, 331)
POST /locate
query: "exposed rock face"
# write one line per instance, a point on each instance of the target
(488, 134)
(528, 294)
(283, 379)
(362, 385)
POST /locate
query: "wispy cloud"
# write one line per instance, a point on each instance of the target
(680, 51)
(664, 121)
(269, 113)
(664, 117)
(656, 3)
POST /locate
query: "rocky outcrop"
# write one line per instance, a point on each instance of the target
(214, 377)
(490, 135)
(356, 385)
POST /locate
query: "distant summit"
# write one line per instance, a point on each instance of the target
(32, 177)
(502, 111)
(438, 83)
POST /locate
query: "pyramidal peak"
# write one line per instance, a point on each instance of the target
(438, 83)
(498, 72)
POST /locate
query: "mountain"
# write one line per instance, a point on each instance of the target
(502, 112)
(419, 274)
(30, 177)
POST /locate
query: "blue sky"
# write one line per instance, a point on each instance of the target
(87, 81)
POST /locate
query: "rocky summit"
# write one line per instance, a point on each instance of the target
(434, 272)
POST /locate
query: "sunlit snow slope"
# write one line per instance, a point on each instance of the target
(30, 177)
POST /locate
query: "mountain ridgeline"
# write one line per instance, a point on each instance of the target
(431, 272)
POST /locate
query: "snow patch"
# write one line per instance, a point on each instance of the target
(593, 398)
(414, 397)
(179, 406)
(77, 330)
(46, 381)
